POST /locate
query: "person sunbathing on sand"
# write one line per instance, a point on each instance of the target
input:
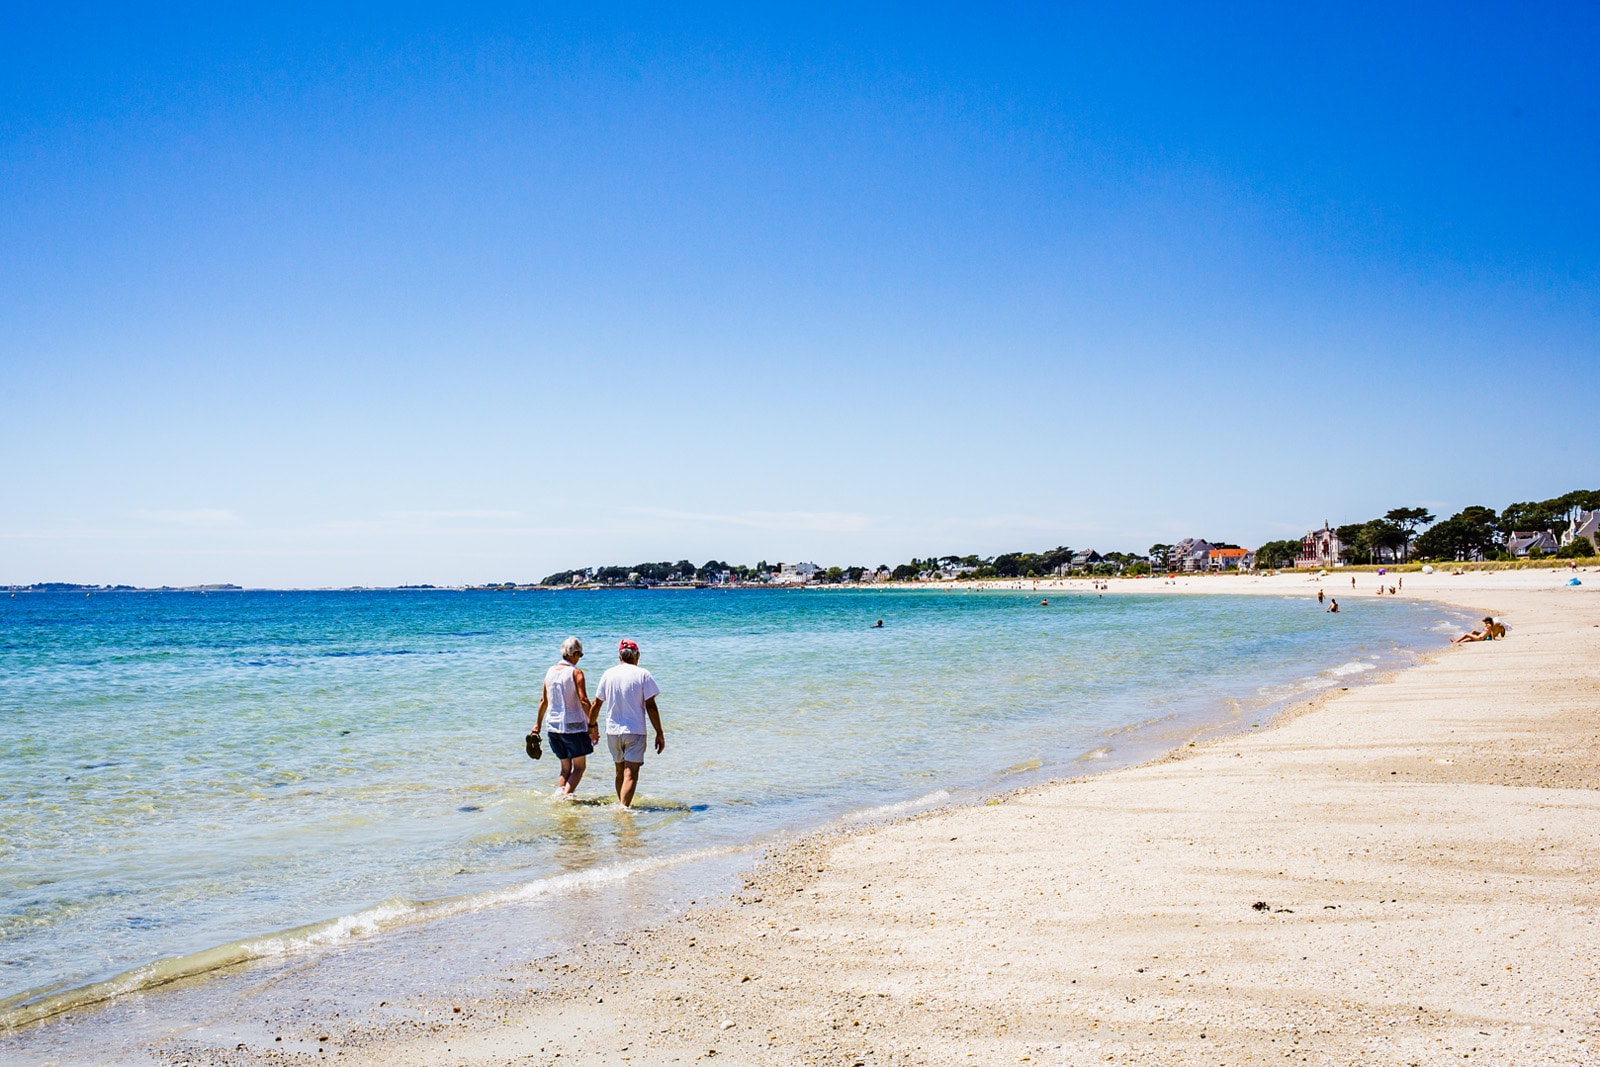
(1491, 630)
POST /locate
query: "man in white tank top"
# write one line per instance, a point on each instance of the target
(572, 728)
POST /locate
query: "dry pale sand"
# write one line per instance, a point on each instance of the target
(1403, 873)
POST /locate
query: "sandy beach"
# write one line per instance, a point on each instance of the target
(1400, 873)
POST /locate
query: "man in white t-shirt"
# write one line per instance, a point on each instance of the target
(628, 693)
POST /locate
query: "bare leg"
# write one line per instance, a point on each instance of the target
(627, 783)
(571, 774)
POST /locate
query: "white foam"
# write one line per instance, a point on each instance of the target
(927, 800)
(361, 924)
(1353, 667)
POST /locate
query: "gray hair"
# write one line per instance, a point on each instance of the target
(571, 647)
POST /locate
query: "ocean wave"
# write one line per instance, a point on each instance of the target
(1344, 670)
(884, 811)
(40, 1004)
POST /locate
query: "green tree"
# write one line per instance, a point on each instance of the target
(1549, 514)
(1409, 520)
(1276, 555)
(1365, 542)
(1352, 547)
(1482, 529)
(1470, 532)
(1580, 548)
(1383, 535)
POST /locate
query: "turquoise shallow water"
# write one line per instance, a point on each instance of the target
(182, 771)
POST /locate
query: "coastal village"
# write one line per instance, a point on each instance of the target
(1565, 527)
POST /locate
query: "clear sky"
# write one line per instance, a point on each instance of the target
(406, 295)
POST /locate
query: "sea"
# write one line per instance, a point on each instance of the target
(202, 794)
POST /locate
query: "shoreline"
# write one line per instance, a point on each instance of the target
(1461, 567)
(789, 862)
(262, 953)
(1256, 927)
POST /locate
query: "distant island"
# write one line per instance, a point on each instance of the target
(77, 587)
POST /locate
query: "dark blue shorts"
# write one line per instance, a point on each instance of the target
(570, 746)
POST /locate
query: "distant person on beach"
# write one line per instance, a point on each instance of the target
(1491, 631)
(1333, 606)
(1352, 581)
(572, 730)
(1319, 596)
(631, 693)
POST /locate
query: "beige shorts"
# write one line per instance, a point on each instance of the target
(626, 748)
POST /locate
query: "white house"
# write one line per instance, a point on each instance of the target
(1190, 554)
(1521, 543)
(1583, 524)
(796, 573)
(1231, 559)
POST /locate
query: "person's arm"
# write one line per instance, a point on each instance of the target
(594, 711)
(590, 708)
(655, 720)
(544, 706)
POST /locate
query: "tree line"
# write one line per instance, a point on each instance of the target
(1005, 565)
(1408, 533)
(1474, 532)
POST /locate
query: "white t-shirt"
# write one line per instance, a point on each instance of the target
(624, 689)
(565, 715)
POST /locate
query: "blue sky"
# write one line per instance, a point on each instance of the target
(406, 295)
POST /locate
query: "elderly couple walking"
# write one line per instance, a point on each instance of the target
(627, 692)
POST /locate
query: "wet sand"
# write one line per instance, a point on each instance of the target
(1402, 873)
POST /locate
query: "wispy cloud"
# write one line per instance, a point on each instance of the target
(459, 514)
(808, 521)
(190, 516)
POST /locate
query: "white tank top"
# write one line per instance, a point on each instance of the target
(565, 715)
